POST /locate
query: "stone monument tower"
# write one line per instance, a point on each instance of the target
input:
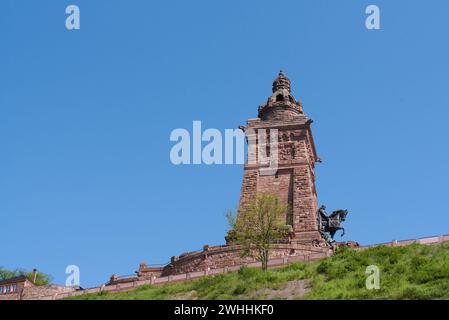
(293, 178)
(281, 132)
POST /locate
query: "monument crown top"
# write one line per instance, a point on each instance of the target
(281, 105)
(282, 82)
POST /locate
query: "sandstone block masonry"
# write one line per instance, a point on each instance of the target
(218, 257)
(195, 260)
(294, 180)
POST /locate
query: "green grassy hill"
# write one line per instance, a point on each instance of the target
(410, 272)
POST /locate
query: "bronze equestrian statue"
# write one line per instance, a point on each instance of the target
(329, 224)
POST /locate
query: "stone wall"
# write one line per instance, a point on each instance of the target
(313, 255)
(228, 256)
(47, 292)
(10, 296)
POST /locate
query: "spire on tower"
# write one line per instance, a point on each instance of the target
(281, 82)
(281, 104)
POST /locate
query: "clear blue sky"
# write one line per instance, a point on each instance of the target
(85, 119)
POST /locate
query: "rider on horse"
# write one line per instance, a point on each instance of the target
(329, 225)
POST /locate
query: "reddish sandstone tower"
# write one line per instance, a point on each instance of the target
(294, 179)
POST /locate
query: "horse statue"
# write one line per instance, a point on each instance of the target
(330, 224)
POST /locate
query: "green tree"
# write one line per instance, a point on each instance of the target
(7, 274)
(258, 224)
